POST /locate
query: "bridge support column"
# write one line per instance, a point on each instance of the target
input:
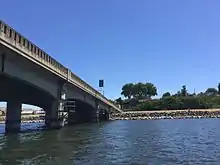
(13, 117)
(109, 113)
(72, 118)
(52, 120)
(53, 117)
(96, 113)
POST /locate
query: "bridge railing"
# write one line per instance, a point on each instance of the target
(30, 50)
(21, 43)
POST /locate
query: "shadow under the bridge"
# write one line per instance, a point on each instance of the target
(83, 112)
(14, 89)
(16, 92)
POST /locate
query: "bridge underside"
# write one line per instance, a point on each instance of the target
(15, 92)
(12, 89)
(84, 112)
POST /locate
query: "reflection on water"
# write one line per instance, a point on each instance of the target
(159, 142)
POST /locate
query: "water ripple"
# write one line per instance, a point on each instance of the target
(151, 142)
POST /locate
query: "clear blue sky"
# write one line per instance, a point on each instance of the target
(169, 43)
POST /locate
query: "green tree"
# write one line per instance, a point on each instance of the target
(128, 90)
(139, 90)
(178, 94)
(183, 91)
(201, 94)
(167, 94)
(119, 101)
(181, 100)
(171, 103)
(215, 102)
(150, 105)
(211, 92)
(218, 88)
(151, 90)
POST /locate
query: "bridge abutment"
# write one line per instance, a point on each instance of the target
(13, 116)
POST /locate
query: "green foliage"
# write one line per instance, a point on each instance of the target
(211, 92)
(139, 90)
(171, 102)
(127, 90)
(119, 101)
(167, 94)
(183, 91)
(218, 88)
(139, 98)
(150, 105)
(151, 90)
(175, 103)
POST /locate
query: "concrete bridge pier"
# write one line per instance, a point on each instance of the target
(13, 116)
(96, 116)
(52, 115)
(52, 120)
(103, 115)
(72, 118)
(109, 112)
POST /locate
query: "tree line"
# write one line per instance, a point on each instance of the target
(138, 96)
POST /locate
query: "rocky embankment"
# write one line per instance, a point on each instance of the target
(26, 119)
(168, 114)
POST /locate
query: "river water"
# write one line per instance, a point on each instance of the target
(138, 142)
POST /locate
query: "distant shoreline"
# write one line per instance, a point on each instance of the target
(167, 114)
(26, 119)
(140, 115)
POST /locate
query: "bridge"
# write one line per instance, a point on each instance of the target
(28, 75)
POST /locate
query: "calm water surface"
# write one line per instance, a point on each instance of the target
(156, 142)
